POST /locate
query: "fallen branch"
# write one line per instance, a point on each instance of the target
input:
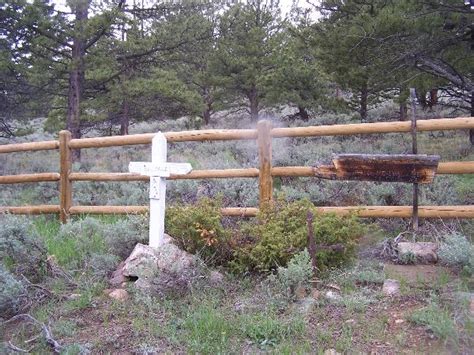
(55, 346)
(16, 348)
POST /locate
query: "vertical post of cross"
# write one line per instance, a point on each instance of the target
(264, 141)
(157, 192)
(65, 167)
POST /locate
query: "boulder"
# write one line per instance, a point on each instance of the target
(424, 252)
(391, 287)
(332, 297)
(306, 306)
(118, 294)
(216, 278)
(156, 269)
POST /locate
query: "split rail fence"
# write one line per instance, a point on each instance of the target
(265, 134)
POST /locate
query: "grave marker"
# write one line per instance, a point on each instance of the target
(158, 170)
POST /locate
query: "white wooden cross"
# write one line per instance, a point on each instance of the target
(158, 170)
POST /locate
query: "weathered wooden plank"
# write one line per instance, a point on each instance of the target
(381, 167)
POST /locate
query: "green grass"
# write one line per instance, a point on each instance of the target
(207, 330)
(266, 330)
(436, 319)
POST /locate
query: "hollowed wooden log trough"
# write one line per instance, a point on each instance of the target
(408, 168)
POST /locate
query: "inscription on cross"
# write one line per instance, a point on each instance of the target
(158, 170)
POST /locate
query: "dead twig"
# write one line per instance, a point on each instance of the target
(55, 346)
(16, 348)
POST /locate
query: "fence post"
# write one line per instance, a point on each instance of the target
(65, 167)
(414, 150)
(264, 141)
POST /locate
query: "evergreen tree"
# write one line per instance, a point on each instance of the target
(249, 37)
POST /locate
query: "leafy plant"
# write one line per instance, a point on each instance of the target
(21, 250)
(198, 229)
(457, 250)
(298, 273)
(11, 293)
(96, 245)
(280, 231)
(407, 258)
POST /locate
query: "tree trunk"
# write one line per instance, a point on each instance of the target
(208, 101)
(253, 101)
(125, 118)
(403, 111)
(421, 95)
(364, 95)
(303, 113)
(471, 131)
(433, 97)
(76, 75)
(206, 115)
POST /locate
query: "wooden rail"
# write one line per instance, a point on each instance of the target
(263, 134)
(465, 211)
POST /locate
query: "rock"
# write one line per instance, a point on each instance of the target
(391, 287)
(306, 305)
(332, 296)
(331, 352)
(117, 277)
(74, 296)
(157, 269)
(399, 321)
(146, 262)
(315, 294)
(119, 294)
(216, 278)
(424, 252)
(300, 292)
(350, 321)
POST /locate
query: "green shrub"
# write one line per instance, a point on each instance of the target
(21, 250)
(198, 229)
(457, 250)
(96, 245)
(280, 231)
(11, 293)
(298, 273)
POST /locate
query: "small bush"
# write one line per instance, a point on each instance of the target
(21, 250)
(298, 273)
(95, 245)
(11, 293)
(198, 229)
(457, 250)
(280, 231)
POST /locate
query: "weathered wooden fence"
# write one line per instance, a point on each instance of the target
(264, 135)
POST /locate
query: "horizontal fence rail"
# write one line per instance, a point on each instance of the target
(265, 172)
(466, 211)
